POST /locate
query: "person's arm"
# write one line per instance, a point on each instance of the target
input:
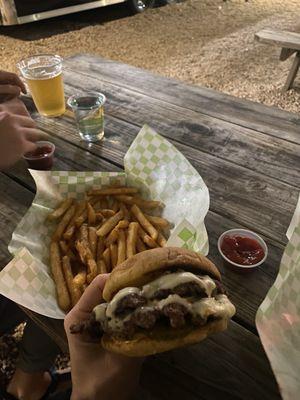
(96, 373)
(10, 85)
(18, 132)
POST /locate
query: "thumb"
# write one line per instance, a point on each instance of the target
(91, 297)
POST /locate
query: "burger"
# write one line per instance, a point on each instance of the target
(158, 300)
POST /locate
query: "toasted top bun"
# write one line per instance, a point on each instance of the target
(160, 340)
(144, 267)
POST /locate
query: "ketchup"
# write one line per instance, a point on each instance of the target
(41, 158)
(242, 250)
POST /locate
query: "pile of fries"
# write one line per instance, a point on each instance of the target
(96, 234)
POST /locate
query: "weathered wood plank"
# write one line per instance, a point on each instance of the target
(228, 365)
(67, 158)
(293, 73)
(15, 200)
(264, 154)
(247, 292)
(289, 40)
(248, 198)
(286, 53)
(200, 368)
(269, 120)
(8, 12)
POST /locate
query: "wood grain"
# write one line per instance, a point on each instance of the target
(8, 12)
(15, 200)
(67, 158)
(293, 72)
(249, 198)
(269, 120)
(224, 140)
(247, 154)
(289, 40)
(286, 53)
(247, 292)
(228, 365)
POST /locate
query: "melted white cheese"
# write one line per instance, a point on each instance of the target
(100, 312)
(220, 306)
(169, 281)
(173, 298)
(114, 302)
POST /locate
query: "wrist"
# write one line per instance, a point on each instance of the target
(83, 395)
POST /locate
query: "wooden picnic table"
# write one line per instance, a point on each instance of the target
(248, 155)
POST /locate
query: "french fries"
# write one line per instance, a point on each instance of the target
(132, 239)
(95, 235)
(113, 255)
(110, 224)
(60, 210)
(75, 292)
(92, 270)
(121, 246)
(147, 204)
(140, 245)
(80, 278)
(107, 259)
(63, 297)
(101, 267)
(112, 191)
(80, 207)
(91, 215)
(100, 248)
(63, 224)
(144, 222)
(158, 222)
(113, 236)
(147, 239)
(93, 239)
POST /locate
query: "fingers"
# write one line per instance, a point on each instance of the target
(91, 297)
(25, 121)
(32, 135)
(14, 79)
(13, 105)
(29, 147)
(11, 90)
(18, 81)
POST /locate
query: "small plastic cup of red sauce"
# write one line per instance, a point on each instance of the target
(41, 158)
(242, 250)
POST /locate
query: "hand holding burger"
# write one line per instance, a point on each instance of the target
(97, 373)
(158, 300)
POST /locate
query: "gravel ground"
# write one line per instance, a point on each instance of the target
(204, 42)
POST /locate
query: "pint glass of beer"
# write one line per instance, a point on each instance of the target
(43, 75)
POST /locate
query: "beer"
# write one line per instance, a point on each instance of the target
(48, 95)
(43, 75)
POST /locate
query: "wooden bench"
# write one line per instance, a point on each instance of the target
(290, 43)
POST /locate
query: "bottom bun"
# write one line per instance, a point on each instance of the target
(161, 340)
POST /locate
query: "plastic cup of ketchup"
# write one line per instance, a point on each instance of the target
(242, 250)
(41, 158)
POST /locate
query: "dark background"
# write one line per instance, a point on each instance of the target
(27, 7)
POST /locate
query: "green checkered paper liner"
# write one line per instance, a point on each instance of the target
(153, 165)
(278, 317)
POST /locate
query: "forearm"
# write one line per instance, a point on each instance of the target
(107, 387)
(102, 375)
